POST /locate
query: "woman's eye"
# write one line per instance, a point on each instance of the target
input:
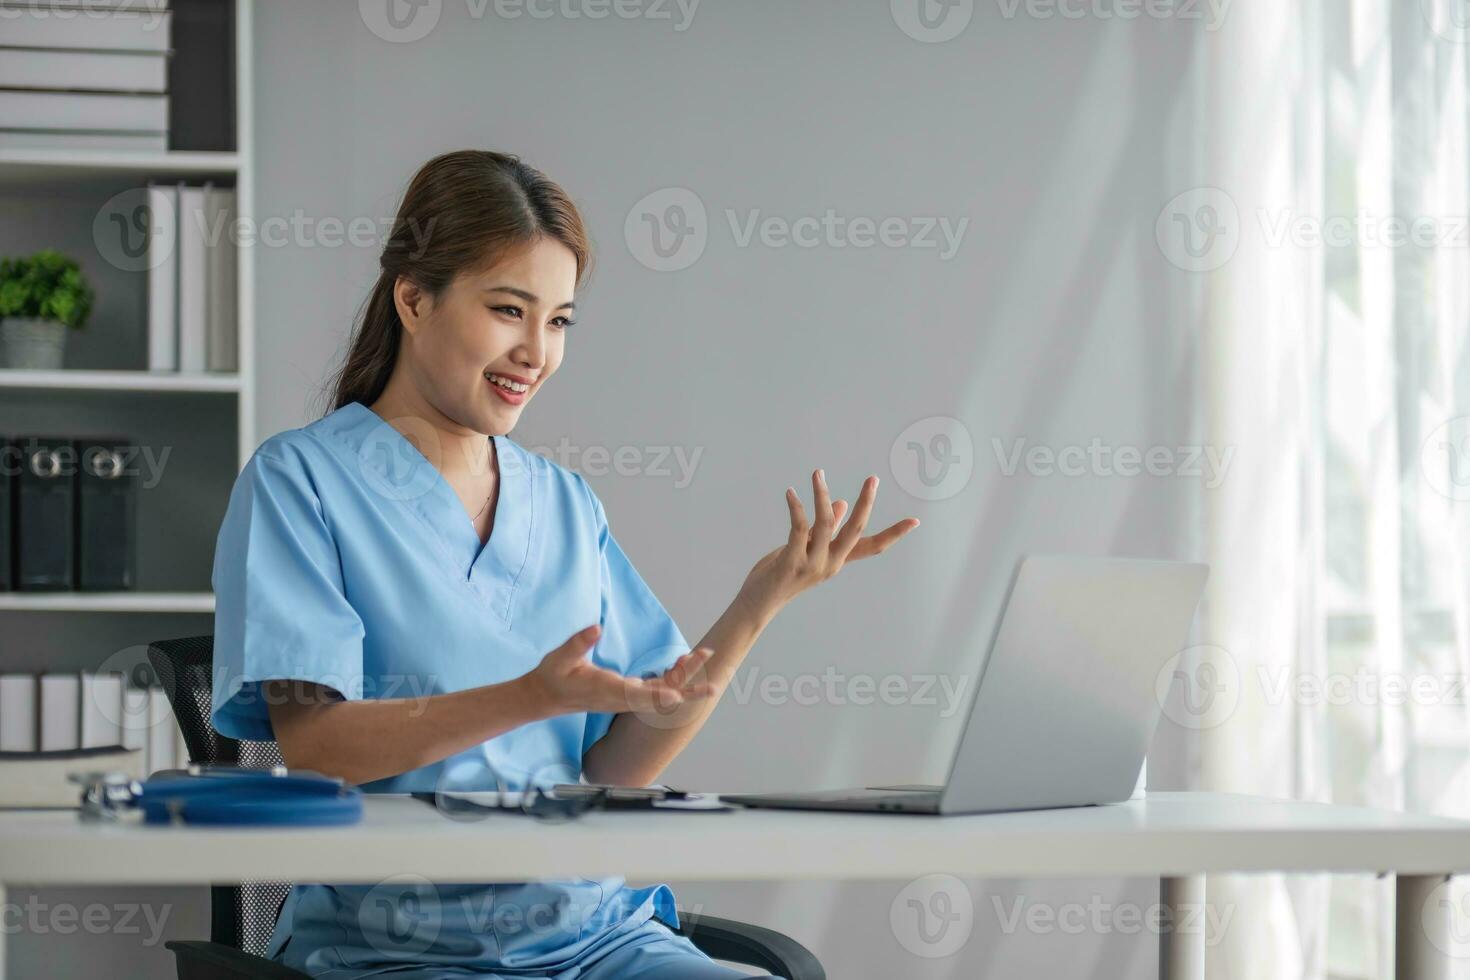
(562, 322)
(514, 311)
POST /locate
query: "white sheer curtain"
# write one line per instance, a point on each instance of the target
(1335, 363)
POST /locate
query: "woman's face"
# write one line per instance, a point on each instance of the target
(504, 325)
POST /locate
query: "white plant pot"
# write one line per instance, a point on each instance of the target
(36, 345)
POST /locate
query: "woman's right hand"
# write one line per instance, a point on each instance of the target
(566, 681)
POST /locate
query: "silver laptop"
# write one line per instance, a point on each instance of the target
(1066, 703)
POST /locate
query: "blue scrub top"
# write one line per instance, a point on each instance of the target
(346, 559)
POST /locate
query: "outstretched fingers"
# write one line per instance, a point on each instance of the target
(852, 531)
(876, 544)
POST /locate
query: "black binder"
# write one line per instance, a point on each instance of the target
(9, 471)
(44, 530)
(106, 518)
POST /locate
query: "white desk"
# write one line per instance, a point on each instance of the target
(1177, 837)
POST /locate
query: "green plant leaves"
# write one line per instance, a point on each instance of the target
(47, 286)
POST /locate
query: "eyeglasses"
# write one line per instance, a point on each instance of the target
(556, 803)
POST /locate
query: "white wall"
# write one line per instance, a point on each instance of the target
(1053, 137)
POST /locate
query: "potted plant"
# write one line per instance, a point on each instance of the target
(40, 298)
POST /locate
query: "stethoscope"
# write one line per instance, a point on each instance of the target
(223, 796)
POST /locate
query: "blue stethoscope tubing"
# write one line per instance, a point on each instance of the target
(250, 798)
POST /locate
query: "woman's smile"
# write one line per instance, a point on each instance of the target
(513, 388)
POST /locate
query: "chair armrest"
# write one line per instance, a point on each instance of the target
(741, 942)
(216, 961)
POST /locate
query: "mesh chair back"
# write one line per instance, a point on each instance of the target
(244, 915)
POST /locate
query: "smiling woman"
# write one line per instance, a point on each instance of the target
(405, 542)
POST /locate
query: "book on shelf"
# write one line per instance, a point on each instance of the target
(192, 264)
(126, 112)
(192, 280)
(51, 714)
(17, 713)
(83, 76)
(85, 71)
(74, 140)
(39, 779)
(221, 345)
(59, 712)
(128, 25)
(163, 277)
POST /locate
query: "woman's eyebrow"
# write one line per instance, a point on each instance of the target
(528, 297)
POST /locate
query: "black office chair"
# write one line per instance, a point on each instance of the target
(243, 916)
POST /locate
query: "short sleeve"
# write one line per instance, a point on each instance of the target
(639, 638)
(281, 612)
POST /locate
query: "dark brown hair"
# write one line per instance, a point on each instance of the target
(461, 211)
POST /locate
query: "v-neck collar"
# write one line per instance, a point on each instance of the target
(394, 468)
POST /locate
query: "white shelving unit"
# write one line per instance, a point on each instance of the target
(37, 168)
(151, 381)
(143, 602)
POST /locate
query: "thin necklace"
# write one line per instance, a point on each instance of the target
(488, 494)
(483, 506)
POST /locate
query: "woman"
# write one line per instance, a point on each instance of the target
(409, 600)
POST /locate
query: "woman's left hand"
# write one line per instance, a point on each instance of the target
(813, 553)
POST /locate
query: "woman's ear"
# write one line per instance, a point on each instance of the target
(412, 303)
